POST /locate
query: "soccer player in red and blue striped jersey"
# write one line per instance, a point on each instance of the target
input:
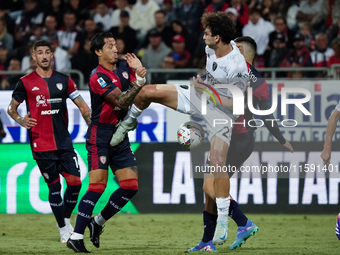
(45, 92)
(113, 87)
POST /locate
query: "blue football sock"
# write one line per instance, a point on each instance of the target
(209, 221)
(70, 199)
(236, 214)
(117, 201)
(85, 210)
(56, 202)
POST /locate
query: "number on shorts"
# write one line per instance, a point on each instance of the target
(76, 161)
(226, 133)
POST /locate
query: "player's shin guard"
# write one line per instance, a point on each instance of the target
(120, 197)
(236, 214)
(86, 206)
(70, 199)
(56, 202)
(209, 221)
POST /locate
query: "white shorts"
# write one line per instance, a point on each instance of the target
(191, 104)
(183, 98)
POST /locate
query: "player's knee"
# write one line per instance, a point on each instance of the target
(130, 185)
(53, 185)
(72, 180)
(74, 188)
(97, 187)
(216, 159)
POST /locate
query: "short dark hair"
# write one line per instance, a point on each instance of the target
(254, 10)
(160, 11)
(219, 24)
(40, 43)
(70, 12)
(247, 39)
(98, 41)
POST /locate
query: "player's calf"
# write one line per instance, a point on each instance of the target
(119, 198)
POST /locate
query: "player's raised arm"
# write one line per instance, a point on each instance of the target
(135, 64)
(26, 122)
(272, 126)
(331, 126)
(84, 109)
(124, 100)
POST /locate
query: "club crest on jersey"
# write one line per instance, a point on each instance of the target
(41, 100)
(59, 86)
(125, 75)
(46, 175)
(101, 82)
(214, 66)
(102, 159)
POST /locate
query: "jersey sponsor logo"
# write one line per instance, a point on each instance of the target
(102, 159)
(54, 100)
(214, 66)
(41, 100)
(49, 112)
(114, 80)
(59, 86)
(125, 75)
(35, 88)
(224, 69)
(102, 82)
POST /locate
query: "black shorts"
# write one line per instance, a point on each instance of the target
(53, 163)
(241, 147)
(101, 155)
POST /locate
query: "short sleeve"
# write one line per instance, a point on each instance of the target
(19, 93)
(132, 75)
(101, 84)
(72, 90)
(337, 107)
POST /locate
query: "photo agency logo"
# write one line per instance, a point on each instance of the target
(238, 104)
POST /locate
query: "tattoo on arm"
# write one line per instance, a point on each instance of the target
(87, 117)
(84, 109)
(121, 100)
(12, 111)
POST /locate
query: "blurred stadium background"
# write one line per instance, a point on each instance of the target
(166, 186)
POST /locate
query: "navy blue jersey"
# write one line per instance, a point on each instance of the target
(102, 82)
(260, 99)
(46, 101)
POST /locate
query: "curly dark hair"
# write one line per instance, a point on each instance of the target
(219, 24)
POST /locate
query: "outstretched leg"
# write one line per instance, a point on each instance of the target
(165, 94)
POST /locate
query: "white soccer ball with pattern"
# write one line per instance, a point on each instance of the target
(190, 134)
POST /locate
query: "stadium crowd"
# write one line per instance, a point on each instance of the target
(166, 33)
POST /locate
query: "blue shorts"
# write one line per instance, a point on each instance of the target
(101, 155)
(53, 163)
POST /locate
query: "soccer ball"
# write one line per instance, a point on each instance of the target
(190, 134)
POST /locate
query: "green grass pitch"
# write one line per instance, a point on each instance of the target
(172, 234)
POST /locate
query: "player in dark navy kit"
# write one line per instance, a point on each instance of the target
(113, 87)
(45, 92)
(241, 147)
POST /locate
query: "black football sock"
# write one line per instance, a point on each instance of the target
(70, 199)
(117, 201)
(85, 209)
(56, 202)
(209, 221)
(236, 214)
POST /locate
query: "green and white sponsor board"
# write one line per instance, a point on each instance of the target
(23, 189)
